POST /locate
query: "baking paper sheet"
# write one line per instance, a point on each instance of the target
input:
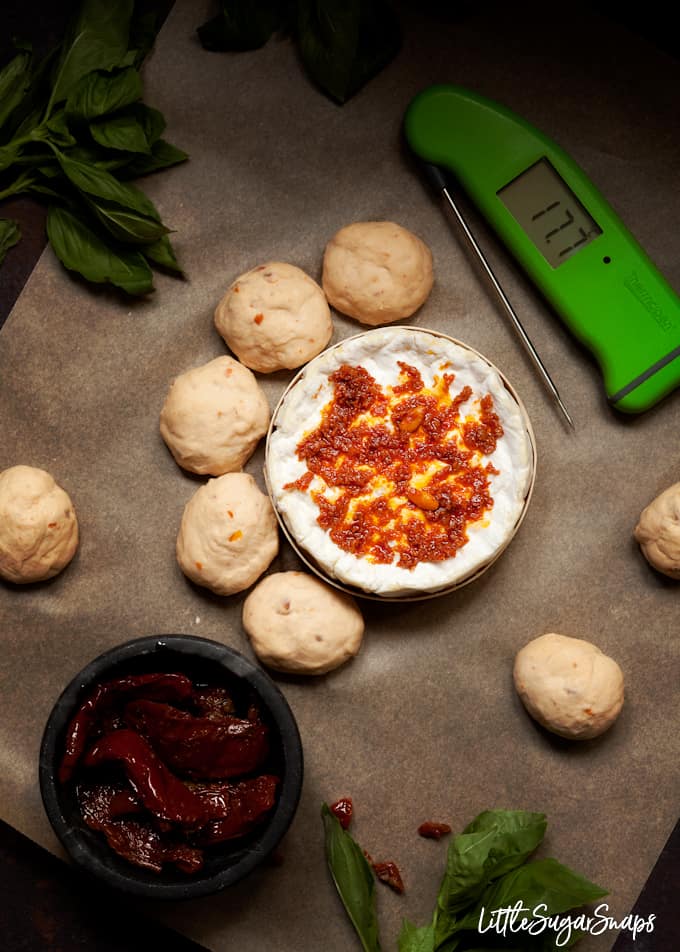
(424, 724)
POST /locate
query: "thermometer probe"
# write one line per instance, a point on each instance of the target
(439, 182)
(563, 233)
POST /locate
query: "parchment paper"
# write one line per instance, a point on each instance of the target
(424, 724)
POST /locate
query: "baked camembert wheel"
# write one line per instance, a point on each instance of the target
(399, 462)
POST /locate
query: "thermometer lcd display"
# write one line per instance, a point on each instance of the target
(549, 212)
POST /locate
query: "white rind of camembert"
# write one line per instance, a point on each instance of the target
(378, 352)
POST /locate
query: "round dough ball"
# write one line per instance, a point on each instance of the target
(658, 532)
(214, 416)
(228, 535)
(38, 525)
(274, 317)
(569, 685)
(377, 272)
(297, 623)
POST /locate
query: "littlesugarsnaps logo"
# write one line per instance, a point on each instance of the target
(509, 920)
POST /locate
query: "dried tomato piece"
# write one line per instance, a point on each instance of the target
(158, 789)
(433, 831)
(101, 802)
(139, 843)
(343, 809)
(200, 746)
(102, 806)
(389, 874)
(236, 807)
(84, 724)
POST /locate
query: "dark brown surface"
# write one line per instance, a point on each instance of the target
(49, 906)
(659, 898)
(21, 259)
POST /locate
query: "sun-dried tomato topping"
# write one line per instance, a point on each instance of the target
(482, 435)
(406, 474)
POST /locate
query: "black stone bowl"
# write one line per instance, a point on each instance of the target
(205, 662)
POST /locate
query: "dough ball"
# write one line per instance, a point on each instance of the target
(214, 416)
(658, 532)
(274, 317)
(228, 535)
(38, 525)
(377, 272)
(297, 623)
(569, 685)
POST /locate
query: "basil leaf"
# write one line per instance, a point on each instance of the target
(27, 114)
(344, 43)
(80, 249)
(416, 938)
(28, 120)
(99, 93)
(161, 253)
(58, 130)
(353, 879)
(163, 155)
(122, 132)
(517, 834)
(98, 158)
(9, 236)
(8, 155)
(126, 224)
(495, 842)
(150, 119)
(101, 184)
(545, 883)
(96, 39)
(242, 25)
(14, 81)
(39, 188)
(50, 170)
(125, 212)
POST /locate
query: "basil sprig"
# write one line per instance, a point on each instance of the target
(73, 131)
(342, 43)
(486, 870)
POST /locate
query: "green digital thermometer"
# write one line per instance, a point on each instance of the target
(565, 235)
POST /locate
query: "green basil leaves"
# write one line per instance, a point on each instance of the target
(73, 130)
(342, 43)
(99, 92)
(79, 248)
(242, 25)
(486, 871)
(353, 879)
(96, 39)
